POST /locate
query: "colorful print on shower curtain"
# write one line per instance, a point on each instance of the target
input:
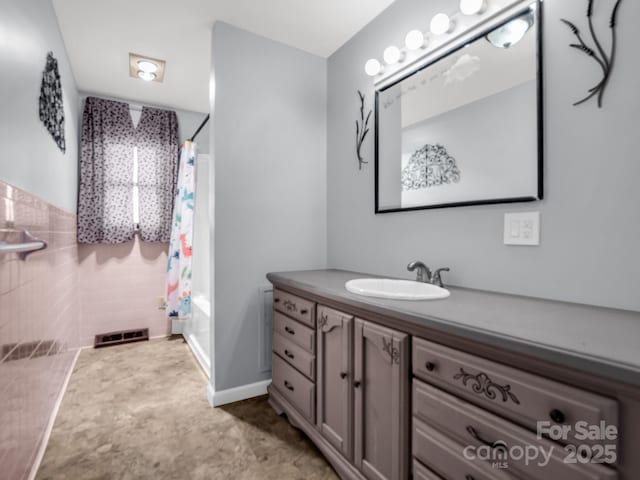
(180, 248)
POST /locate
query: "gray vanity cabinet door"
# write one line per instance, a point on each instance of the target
(335, 393)
(381, 389)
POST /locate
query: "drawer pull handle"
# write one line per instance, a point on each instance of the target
(430, 366)
(472, 431)
(469, 477)
(276, 300)
(343, 375)
(289, 354)
(482, 384)
(288, 385)
(356, 384)
(290, 331)
(304, 311)
(556, 415)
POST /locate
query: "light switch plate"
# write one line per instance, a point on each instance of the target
(522, 228)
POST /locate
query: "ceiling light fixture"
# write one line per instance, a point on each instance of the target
(414, 40)
(146, 76)
(512, 32)
(146, 68)
(441, 24)
(472, 7)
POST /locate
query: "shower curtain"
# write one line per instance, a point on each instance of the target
(178, 301)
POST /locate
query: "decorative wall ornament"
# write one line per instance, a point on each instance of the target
(428, 167)
(51, 107)
(484, 385)
(362, 128)
(597, 52)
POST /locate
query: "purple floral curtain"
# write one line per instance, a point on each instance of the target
(105, 202)
(158, 151)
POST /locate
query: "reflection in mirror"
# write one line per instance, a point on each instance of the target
(464, 129)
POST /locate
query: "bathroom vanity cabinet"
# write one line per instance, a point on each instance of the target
(387, 393)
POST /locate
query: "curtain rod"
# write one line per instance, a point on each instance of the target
(204, 122)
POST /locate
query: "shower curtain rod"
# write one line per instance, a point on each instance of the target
(204, 122)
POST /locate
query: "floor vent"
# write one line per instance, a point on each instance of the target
(124, 336)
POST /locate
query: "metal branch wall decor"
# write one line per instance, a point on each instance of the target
(51, 107)
(428, 167)
(362, 128)
(596, 52)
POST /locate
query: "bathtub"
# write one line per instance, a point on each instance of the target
(196, 331)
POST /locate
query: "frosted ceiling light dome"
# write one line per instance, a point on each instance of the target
(372, 67)
(414, 40)
(472, 7)
(440, 24)
(392, 55)
(511, 33)
(147, 66)
(146, 76)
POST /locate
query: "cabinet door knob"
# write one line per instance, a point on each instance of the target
(289, 354)
(556, 415)
(288, 385)
(290, 331)
(343, 375)
(430, 366)
(356, 384)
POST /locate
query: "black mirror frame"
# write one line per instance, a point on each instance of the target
(540, 120)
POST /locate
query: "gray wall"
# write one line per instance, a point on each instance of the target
(269, 168)
(590, 220)
(30, 158)
(188, 121)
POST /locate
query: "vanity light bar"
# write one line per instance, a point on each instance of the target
(440, 24)
(444, 31)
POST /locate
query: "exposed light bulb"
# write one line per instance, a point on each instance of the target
(373, 67)
(146, 76)
(147, 66)
(472, 7)
(392, 55)
(440, 24)
(414, 40)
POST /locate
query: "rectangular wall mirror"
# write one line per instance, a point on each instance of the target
(465, 129)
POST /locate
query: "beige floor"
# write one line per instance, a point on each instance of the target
(139, 411)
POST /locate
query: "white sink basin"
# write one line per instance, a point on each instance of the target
(395, 289)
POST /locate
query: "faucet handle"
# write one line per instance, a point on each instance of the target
(436, 278)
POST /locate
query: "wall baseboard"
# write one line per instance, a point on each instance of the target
(198, 352)
(52, 419)
(236, 394)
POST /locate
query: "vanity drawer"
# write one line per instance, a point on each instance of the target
(420, 472)
(445, 457)
(302, 360)
(471, 425)
(295, 332)
(296, 307)
(522, 397)
(299, 391)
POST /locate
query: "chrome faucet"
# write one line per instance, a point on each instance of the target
(425, 275)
